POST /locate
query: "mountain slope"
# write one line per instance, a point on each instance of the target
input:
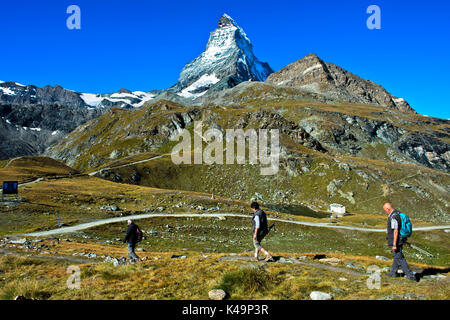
(345, 153)
(28, 129)
(314, 74)
(33, 118)
(227, 60)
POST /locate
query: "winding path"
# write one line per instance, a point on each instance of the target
(97, 223)
(82, 174)
(93, 173)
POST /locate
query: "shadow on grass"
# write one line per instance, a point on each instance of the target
(433, 271)
(297, 210)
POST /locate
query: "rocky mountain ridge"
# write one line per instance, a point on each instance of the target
(28, 129)
(13, 93)
(313, 74)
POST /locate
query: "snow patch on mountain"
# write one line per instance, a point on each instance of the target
(399, 100)
(314, 67)
(134, 99)
(7, 91)
(122, 95)
(91, 99)
(205, 81)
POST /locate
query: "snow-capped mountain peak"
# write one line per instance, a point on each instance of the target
(227, 60)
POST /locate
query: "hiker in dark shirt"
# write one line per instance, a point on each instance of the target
(131, 238)
(260, 230)
(396, 243)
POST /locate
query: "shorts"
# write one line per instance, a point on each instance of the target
(257, 243)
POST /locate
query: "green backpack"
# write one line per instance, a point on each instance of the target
(406, 227)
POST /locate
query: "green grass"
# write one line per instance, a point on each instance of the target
(246, 281)
(234, 235)
(161, 277)
(32, 167)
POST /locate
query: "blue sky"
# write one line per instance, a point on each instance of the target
(143, 45)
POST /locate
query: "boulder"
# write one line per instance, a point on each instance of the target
(318, 295)
(174, 256)
(109, 208)
(18, 241)
(217, 294)
(23, 298)
(333, 261)
(382, 258)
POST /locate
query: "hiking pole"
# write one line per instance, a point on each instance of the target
(270, 228)
(420, 250)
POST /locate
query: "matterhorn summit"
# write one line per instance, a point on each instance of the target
(227, 61)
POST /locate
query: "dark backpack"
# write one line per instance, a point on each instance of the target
(140, 234)
(264, 230)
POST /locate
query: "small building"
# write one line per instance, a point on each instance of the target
(10, 189)
(337, 209)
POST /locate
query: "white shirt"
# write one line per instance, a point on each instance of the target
(394, 223)
(257, 223)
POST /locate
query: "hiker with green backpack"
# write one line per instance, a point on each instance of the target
(399, 228)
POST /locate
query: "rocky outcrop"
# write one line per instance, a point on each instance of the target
(48, 116)
(264, 119)
(13, 93)
(426, 150)
(314, 74)
(30, 129)
(351, 134)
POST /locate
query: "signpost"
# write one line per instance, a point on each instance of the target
(10, 188)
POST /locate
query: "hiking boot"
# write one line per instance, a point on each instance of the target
(415, 277)
(254, 259)
(269, 258)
